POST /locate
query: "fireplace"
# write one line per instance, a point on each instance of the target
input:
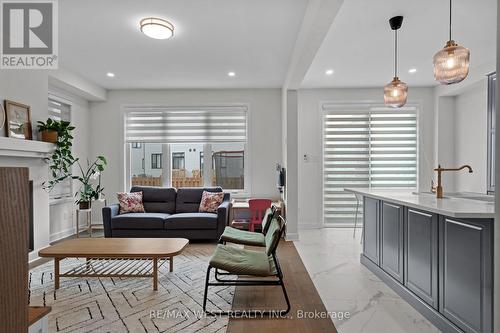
(31, 245)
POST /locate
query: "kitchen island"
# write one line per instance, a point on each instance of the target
(435, 253)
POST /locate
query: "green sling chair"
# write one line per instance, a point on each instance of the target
(243, 237)
(261, 264)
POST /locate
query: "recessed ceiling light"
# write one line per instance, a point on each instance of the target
(109, 74)
(231, 74)
(412, 70)
(157, 28)
(329, 72)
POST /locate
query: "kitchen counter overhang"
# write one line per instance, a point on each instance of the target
(448, 206)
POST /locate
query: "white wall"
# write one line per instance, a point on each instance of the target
(461, 129)
(470, 137)
(310, 142)
(30, 87)
(264, 126)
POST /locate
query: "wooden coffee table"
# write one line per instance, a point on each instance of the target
(115, 257)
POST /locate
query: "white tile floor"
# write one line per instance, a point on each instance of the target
(331, 257)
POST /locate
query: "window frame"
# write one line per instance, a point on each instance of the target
(366, 105)
(167, 179)
(55, 97)
(156, 161)
(490, 185)
(181, 156)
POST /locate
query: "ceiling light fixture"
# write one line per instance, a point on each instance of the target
(109, 74)
(329, 72)
(231, 74)
(157, 28)
(412, 70)
(396, 91)
(451, 64)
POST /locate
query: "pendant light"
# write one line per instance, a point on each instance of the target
(396, 91)
(451, 64)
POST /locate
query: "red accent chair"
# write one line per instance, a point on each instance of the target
(257, 208)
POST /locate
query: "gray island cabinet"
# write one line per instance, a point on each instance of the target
(435, 253)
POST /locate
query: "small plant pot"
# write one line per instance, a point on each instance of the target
(84, 205)
(49, 136)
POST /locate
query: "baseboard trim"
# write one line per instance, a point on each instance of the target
(62, 234)
(310, 226)
(292, 236)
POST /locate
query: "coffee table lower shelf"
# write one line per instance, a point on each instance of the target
(114, 267)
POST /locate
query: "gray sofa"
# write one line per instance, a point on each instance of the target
(169, 213)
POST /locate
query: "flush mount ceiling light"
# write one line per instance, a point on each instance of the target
(156, 28)
(451, 64)
(396, 91)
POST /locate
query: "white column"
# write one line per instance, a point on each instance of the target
(166, 163)
(496, 237)
(207, 165)
(292, 164)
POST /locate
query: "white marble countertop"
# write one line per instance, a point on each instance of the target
(449, 206)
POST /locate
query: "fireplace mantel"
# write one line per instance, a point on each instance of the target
(10, 147)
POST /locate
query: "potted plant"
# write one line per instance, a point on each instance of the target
(61, 160)
(49, 130)
(88, 190)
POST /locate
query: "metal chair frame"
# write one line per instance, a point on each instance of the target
(276, 281)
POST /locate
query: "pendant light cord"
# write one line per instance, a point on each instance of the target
(450, 19)
(395, 53)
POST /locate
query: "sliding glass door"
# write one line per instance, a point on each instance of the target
(365, 146)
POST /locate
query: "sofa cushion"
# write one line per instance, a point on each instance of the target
(210, 201)
(188, 199)
(130, 202)
(191, 221)
(139, 221)
(157, 199)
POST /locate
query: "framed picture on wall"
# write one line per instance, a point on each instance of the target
(18, 120)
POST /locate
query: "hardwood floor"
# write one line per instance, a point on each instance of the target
(303, 297)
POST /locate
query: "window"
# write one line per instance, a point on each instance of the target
(155, 161)
(178, 161)
(186, 171)
(59, 110)
(365, 146)
(136, 145)
(228, 165)
(492, 83)
(195, 140)
(142, 171)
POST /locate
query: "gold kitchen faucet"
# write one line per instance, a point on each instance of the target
(439, 188)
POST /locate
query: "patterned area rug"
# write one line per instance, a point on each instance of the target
(130, 304)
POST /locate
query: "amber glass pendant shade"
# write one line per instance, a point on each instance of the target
(395, 93)
(451, 64)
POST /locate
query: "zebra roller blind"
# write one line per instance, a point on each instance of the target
(365, 146)
(186, 124)
(60, 111)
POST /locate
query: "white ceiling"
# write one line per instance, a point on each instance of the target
(253, 38)
(360, 45)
